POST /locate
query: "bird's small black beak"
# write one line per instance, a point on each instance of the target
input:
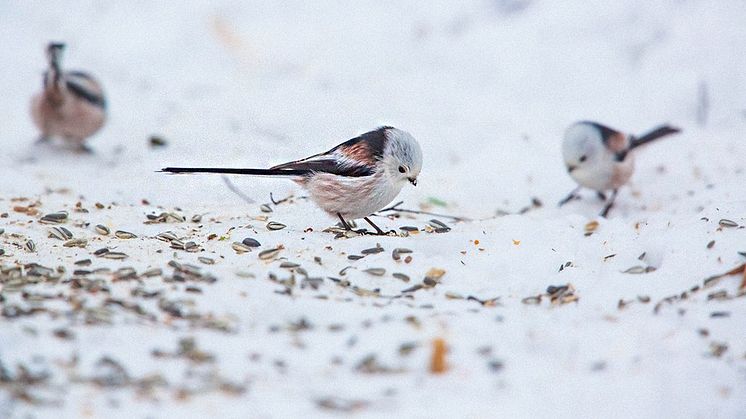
(56, 46)
(570, 168)
(413, 181)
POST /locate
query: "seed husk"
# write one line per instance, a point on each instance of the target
(191, 247)
(30, 246)
(373, 250)
(83, 262)
(101, 251)
(265, 208)
(54, 218)
(206, 260)
(115, 255)
(409, 228)
(102, 230)
(354, 257)
(436, 224)
(121, 234)
(240, 247)
(533, 300)
(60, 233)
(396, 253)
(274, 225)
(76, 243)
(197, 218)
(251, 242)
(269, 253)
(727, 223)
(167, 236)
(289, 265)
(177, 244)
(152, 272)
(375, 271)
(401, 276)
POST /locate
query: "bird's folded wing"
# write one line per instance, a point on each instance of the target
(327, 164)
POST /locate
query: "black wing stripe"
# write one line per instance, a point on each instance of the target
(86, 95)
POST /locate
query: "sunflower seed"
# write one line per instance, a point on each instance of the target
(206, 260)
(197, 218)
(101, 251)
(76, 243)
(289, 265)
(265, 208)
(373, 250)
(375, 271)
(167, 236)
(152, 272)
(102, 230)
(83, 262)
(121, 234)
(534, 300)
(438, 224)
(240, 247)
(269, 254)
(191, 247)
(60, 233)
(54, 218)
(727, 223)
(396, 254)
(273, 225)
(354, 257)
(400, 276)
(115, 255)
(250, 242)
(30, 246)
(409, 228)
(177, 244)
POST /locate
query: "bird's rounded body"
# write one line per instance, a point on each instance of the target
(601, 168)
(352, 198)
(71, 104)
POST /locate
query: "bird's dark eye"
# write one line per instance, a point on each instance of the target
(582, 158)
(402, 169)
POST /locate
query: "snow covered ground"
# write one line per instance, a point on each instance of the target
(487, 87)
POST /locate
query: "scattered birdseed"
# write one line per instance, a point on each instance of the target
(240, 247)
(30, 246)
(401, 276)
(375, 271)
(197, 218)
(639, 270)
(60, 233)
(590, 227)
(289, 265)
(438, 363)
(265, 208)
(76, 243)
(533, 300)
(269, 253)
(114, 255)
(727, 223)
(273, 225)
(102, 230)
(206, 260)
(711, 244)
(409, 229)
(121, 234)
(354, 257)
(83, 262)
(396, 253)
(251, 242)
(54, 218)
(167, 236)
(373, 250)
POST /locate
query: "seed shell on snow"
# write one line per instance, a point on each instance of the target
(396, 254)
(240, 247)
(274, 225)
(102, 230)
(121, 234)
(250, 242)
(375, 271)
(54, 218)
(727, 223)
(76, 243)
(60, 233)
(115, 255)
(206, 260)
(269, 253)
(401, 276)
(167, 236)
(373, 250)
(30, 246)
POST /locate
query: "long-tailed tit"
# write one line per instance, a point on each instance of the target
(601, 158)
(352, 180)
(71, 105)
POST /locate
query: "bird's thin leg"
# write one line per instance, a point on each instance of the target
(601, 195)
(609, 204)
(344, 223)
(570, 197)
(378, 230)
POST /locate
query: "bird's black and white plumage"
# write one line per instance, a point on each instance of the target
(602, 158)
(352, 180)
(71, 105)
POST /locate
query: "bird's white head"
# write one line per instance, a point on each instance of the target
(586, 154)
(402, 156)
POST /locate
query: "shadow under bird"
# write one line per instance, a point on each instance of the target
(71, 105)
(352, 180)
(601, 158)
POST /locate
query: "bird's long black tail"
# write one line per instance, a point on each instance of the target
(228, 171)
(661, 131)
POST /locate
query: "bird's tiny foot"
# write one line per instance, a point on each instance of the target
(601, 196)
(84, 149)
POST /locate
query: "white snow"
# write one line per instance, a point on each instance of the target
(487, 88)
